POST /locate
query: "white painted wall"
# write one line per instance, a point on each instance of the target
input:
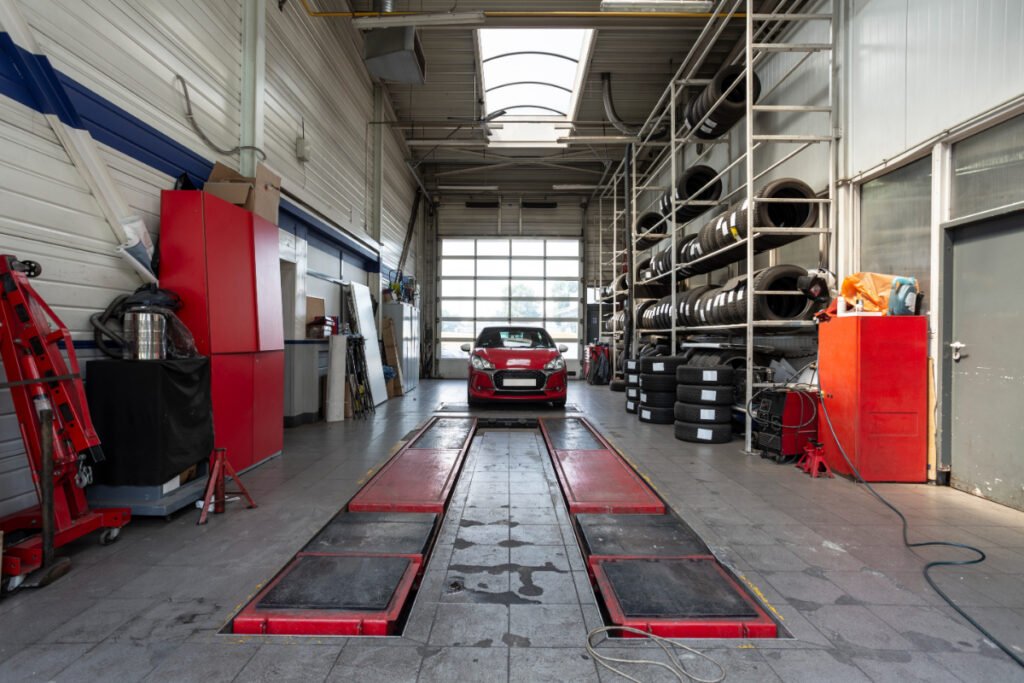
(917, 67)
(128, 52)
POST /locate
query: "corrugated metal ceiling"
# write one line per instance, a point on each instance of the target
(642, 53)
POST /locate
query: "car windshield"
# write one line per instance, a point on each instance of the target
(514, 338)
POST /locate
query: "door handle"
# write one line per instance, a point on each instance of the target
(957, 346)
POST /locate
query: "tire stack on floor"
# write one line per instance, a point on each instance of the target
(632, 370)
(658, 388)
(703, 408)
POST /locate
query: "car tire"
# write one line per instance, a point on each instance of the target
(657, 382)
(659, 416)
(617, 385)
(631, 407)
(633, 393)
(692, 412)
(657, 399)
(703, 433)
(660, 366)
(706, 395)
(722, 374)
(559, 405)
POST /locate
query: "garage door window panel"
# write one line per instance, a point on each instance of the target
(457, 267)
(501, 281)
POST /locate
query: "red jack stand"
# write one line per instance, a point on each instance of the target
(215, 488)
(813, 461)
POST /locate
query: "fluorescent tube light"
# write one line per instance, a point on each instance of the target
(571, 186)
(656, 6)
(429, 19)
(468, 188)
(596, 140)
(441, 142)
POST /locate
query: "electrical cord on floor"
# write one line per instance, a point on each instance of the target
(921, 544)
(675, 667)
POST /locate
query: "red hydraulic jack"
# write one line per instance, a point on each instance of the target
(813, 460)
(215, 487)
(60, 442)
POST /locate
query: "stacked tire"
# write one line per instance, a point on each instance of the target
(658, 388)
(703, 407)
(632, 372)
(790, 209)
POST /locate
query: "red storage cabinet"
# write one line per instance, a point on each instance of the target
(267, 277)
(231, 277)
(223, 261)
(268, 404)
(231, 389)
(873, 371)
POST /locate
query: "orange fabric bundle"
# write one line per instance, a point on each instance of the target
(870, 288)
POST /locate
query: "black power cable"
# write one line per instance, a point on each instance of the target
(921, 544)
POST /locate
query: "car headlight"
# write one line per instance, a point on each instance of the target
(556, 363)
(480, 363)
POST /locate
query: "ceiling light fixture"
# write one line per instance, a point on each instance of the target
(573, 186)
(596, 140)
(442, 142)
(656, 6)
(468, 188)
(429, 19)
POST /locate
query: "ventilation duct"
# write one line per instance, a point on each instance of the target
(395, 54)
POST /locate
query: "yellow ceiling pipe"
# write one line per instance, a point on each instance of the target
(491, 14)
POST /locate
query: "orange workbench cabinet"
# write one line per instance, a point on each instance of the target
(873, 371)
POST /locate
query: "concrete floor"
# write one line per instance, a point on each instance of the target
(822, 553)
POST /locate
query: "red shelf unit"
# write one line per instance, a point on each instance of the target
(874, 372)
(223, 263)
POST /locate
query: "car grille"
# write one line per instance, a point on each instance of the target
(502, 376)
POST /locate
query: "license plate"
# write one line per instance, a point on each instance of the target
(520, 382)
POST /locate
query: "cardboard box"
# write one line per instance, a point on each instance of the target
(260, 194)
(315, 308)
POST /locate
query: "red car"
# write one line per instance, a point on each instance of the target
(516, 364)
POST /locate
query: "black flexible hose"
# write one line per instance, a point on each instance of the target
(921, 544)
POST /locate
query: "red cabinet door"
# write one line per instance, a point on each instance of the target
(183, 260)
(232, 393)
(268, 404)
(231, 278)
(267, 259)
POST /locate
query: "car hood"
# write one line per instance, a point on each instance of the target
(518, 359)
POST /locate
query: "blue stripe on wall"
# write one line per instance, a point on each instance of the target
(31, 80)
(40, 87)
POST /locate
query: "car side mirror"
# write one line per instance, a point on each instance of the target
(562, 348)
(466, 347)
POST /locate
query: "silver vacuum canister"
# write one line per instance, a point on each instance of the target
(145, 334)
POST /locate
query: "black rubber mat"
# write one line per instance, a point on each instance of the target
(446, 433)
(667, 589)
(656, 535)
(403, 533)
(357, 584)
(570, 434)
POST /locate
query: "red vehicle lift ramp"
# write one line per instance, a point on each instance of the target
(594, 478)
(39, 378)
(421, 476)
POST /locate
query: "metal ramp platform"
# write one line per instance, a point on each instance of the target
(683, 597)
(360, 574)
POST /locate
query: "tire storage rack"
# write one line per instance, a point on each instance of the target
(657, 200)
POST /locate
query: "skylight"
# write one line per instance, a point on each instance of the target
(534, 75)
